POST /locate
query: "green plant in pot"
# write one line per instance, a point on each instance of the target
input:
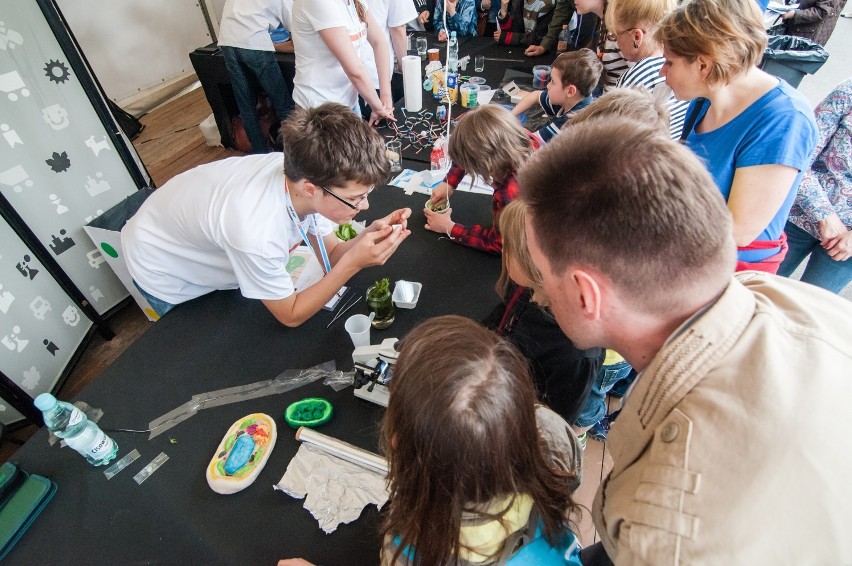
(380, 302)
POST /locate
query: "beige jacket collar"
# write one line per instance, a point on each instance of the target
(680, 365)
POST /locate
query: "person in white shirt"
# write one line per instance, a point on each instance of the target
(233, 223)
(392, 16)
(330, 37)
(249, 52)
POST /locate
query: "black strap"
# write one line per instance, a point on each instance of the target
(691, 118)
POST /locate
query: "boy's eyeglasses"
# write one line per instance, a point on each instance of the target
(351, 204)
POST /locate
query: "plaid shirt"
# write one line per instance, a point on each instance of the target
(488, 238)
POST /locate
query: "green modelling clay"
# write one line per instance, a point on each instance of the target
(311, 412)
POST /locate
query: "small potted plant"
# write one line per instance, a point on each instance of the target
(379, 301)
(440, 209)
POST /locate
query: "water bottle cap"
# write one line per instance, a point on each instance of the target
(45, 402)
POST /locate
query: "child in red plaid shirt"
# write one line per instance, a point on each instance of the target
(489, 142)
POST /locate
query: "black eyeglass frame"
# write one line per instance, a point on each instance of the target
(346, 202)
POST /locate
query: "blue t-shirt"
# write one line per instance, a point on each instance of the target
(777, 129)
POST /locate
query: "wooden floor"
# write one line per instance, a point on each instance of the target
(170, 144)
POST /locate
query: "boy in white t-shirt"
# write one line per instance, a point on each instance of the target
(233, 223)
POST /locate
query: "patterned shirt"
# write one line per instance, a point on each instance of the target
(463, 22)
(555, 111)
(826, 188)
(487, 238)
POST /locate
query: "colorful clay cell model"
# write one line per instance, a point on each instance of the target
(242, 454)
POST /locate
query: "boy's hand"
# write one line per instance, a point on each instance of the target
(442, 36)
(441, 222)
(440, 194)
(534, 51)
(423, 17)
(400, 217)
(374, 246)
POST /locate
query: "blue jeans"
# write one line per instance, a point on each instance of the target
(160, 306)
(247, 67)
(606, 379)
(821, 270)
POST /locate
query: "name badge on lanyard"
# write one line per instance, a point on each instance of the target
(295, 218)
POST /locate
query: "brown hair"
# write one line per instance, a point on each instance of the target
(635, 103)
(617, 196)
(728, 32)
(361, 10)
(329, 146)
(580, 68)
(488, 141)
(460, 432)
(512, 223)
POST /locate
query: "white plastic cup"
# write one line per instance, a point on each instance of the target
(358, 327)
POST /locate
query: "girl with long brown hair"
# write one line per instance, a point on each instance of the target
(476, 469)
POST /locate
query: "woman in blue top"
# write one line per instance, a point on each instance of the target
(754, 132)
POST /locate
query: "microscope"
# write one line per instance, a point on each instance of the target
(374, 370)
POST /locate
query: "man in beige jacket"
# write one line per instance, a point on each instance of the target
(732, 446)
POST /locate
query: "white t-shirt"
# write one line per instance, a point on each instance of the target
(246, 23)
(223, 225)
(388, 14)
(319, 75)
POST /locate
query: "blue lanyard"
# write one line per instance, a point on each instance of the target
(295, 218)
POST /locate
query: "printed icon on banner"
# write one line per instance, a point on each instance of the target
(96, 186)
(10, 83)
(10, 135)
(31, 378)
(13, 341)
(98, 146)
(60, 208)
(97, 295)
(56, 71)
(6, 300)
(97, 213)
(17, 178)
(59, 162)
(9, 38)
(24, 268)
(40, 307)
(60, 245)
(96, 258)
(50, 347)
(71, 315)
(55, 116)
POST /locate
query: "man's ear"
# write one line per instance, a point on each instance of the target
(590, 294)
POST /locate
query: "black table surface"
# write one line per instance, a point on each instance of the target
(224, 340)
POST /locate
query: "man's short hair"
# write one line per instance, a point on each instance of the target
(618, 197)
(580, 68)
(330, 146)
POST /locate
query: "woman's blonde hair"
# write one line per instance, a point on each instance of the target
(512, 227)
(642, 14)
(728, 32)
(488, 141)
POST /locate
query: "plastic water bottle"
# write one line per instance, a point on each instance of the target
(562, 42)
(453, 57)
(69, 423)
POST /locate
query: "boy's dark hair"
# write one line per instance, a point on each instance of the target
(580, 68)
(330, 146)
